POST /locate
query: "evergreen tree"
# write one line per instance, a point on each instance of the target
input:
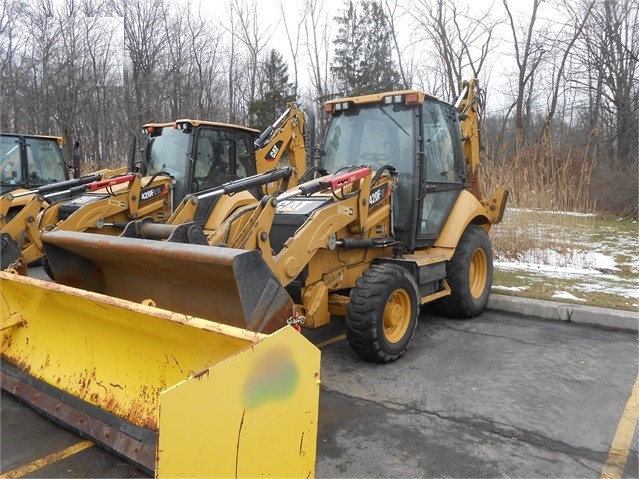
(363, 50)
(274, 92)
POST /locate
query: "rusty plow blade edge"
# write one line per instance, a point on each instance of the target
(225, 285)
(177, 396)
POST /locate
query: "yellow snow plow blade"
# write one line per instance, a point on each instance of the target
(178, 395)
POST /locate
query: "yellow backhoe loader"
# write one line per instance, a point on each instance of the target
(30, 161)
(34, 174)
(187, 157)
(21, 209)
(28, 164)
(399, 222)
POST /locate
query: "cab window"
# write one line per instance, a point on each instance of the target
(440, 142)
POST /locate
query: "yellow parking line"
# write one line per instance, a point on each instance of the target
(618, 455)
(50, 459)
(327, 342)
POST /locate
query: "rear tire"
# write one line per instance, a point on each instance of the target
(382, 313)
(469, 275)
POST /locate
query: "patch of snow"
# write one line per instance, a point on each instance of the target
(580, 262)
(544, 212)
(510, 288)
(595, 260)
(553, 270)
(625, 289)
(566, 295)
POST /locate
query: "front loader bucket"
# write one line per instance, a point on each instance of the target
(177, 395)
(225, 285)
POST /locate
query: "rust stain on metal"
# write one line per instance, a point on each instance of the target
(201, 373)
(46, 363)
(237, 446)
(120, 440)
(17, 362)
(99, 383)
(7, 341)
(177, 364)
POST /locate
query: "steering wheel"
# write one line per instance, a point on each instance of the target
(375, 159)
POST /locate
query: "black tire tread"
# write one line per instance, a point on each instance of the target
(460, 304)
(367, 299)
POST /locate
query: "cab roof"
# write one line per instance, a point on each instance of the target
(379, 97)
(58, 139)
(196, 123)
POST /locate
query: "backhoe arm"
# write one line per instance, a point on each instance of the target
(186, 211)
(287, 141)
(468, 106)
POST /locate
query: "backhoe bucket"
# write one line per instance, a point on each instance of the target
(179, 396)
(225, 285)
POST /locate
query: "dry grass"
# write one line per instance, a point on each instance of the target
(539, 180)
(551, 220)
(91, 166)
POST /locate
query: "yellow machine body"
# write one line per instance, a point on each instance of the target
(200, 398)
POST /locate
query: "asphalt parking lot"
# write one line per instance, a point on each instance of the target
(502, 395)
(497, 396)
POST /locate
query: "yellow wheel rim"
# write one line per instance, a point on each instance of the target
(478, 273)
(397, 314)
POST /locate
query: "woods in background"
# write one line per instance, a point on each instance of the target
(561, 90)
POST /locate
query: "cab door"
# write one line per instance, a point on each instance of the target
(221, 155)
(442, 171)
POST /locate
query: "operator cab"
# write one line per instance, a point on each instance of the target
(30, 161)
(198, 154)
(416, 134)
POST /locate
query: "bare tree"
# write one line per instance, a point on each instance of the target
(103, 50)
(392, 15)
(317, 39)
(461, 41)
(209, 82)
(611, 53)
(293, 38)
(12, 45)
(144, 48)
(529, 53)
(317, 32)
(247, 29)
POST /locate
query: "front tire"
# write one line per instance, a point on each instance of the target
(469, 275)
(382, 313)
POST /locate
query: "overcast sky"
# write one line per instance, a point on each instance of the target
(272, 27)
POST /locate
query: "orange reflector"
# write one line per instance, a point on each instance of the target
(412, 98)
(328, 108)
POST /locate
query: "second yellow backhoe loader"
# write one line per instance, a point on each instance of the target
(34, 175)
(183, 158)
(397, 223)
(20, 210)
(28, 162)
